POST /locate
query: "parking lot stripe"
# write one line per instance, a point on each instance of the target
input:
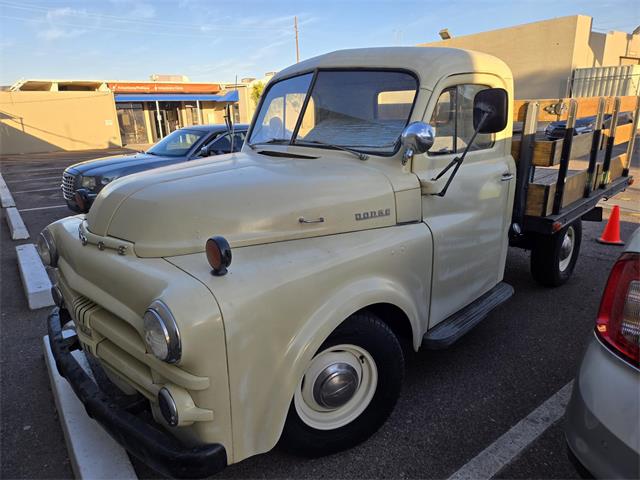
(37, 190)
(41, 208)
(35, 179)
(35, 170)
(36, 283)
(501, 452)
(5, 194)
(94, 454)
(17, 227)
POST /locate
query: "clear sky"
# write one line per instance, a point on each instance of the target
(217, 40)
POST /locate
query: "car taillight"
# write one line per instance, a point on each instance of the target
(618, 322)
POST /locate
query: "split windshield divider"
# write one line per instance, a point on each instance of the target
(303, 109)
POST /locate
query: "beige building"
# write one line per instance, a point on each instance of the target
(49, 115)
(41, 121)
(544, 55)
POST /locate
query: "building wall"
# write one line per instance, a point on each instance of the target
(543, 55)
(33, 122)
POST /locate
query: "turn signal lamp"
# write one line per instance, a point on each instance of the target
(618, 323)
(218, 255)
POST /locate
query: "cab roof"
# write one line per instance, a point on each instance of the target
(430, 64)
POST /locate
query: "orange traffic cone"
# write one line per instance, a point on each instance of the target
(611, 233)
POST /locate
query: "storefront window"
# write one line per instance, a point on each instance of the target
(131, 122)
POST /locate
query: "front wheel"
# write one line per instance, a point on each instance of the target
(348, 390)
(554, 257)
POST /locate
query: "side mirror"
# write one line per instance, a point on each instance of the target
(416, 138)
(204, 152)
(495, 103)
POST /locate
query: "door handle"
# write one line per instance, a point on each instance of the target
(317, 220)
(506, 177)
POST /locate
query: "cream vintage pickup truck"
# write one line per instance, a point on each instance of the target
(266, 296)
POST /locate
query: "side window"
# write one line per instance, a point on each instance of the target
(220, 145)
(453, 121)
(444, 122)
(238, 140)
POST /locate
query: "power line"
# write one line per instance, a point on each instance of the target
(203, 35)
(137, 21)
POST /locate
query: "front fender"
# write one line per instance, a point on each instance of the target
(281, 301)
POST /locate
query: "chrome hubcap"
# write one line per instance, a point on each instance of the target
(566, 249)
(337, 387)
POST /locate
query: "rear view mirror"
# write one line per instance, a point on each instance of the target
(494, 102)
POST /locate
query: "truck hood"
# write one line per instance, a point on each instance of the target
(248, 198)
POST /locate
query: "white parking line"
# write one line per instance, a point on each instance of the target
(41, 208)
(501, 452)
(37, 190)
(34, 170)
(37, 179)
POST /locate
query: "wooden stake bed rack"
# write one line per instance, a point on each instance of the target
(548, 194)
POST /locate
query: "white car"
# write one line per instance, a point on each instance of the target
(603, 417)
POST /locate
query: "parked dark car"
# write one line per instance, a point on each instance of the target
(556, 130)
(82, 182)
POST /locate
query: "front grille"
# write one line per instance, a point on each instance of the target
(68, 185)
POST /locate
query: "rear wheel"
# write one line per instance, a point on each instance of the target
(554, 257)
(348, 390)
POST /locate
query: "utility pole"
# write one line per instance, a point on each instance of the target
(295, 27)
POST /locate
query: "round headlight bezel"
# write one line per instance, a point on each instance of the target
(159, 321)
(46, 248)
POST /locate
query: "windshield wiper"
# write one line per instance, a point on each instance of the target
(360, 155)
(271, 141)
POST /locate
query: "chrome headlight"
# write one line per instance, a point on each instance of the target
(161, 334)
(46, 247)
(88, 182)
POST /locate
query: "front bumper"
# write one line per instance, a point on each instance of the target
(155, 447)
(602, 429)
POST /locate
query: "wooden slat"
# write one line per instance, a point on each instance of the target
(546, 153)
(628, 104)
(587, 106)
(623, 133)
(617, 166)
(542, 190)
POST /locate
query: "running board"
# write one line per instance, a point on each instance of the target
(454, 327)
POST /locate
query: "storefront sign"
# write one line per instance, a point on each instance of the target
(156, 87)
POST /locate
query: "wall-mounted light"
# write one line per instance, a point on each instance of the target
(444, 34)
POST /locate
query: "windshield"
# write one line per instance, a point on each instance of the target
(177, 143)
(364, 110)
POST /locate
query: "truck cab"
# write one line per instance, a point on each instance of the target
(267, 295)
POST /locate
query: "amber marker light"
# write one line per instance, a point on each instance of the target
(218, 255)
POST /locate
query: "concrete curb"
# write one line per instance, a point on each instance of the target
(36, 283)
(6, 199)
(17, 228)
(93, 453)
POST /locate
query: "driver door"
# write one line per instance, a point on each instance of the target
(470, 223)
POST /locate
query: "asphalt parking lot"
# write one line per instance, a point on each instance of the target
(454, 402)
